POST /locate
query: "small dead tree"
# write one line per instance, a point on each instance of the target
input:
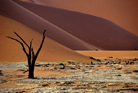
(30, 55)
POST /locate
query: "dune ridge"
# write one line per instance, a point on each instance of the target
(96, 31)
(121, 12)
(11, 51)
(37, 23)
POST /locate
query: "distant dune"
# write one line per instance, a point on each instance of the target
(22, 15)
(96, 31)
(11, 51)
(121, 12)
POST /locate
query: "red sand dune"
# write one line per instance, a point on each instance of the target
(22, 15)
(121, 12)
(30, 1)
(107, 54)
(11, 51)
(66, 28)
(96, 31)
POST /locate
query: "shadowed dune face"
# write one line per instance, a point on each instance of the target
(22, 15)
(30, 1)
(96, 31)
(11, 51)
(121, 12)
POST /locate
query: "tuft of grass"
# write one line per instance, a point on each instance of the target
(65, 63)
(52, 62)
(76, 61)
(89, 63)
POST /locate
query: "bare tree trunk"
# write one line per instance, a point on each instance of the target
(30, 56)
(31, 73)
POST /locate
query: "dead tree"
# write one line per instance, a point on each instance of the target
(30, 55)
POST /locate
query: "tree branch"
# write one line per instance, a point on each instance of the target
(30, 48)
(35, 57)
(22, 40)
(29, 60)
(20, 43)
(32, 51)
(41, 44)
(44, 32)
(31, 56)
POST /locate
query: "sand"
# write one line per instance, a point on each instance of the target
(124, 12)
(110, 76)
(96, 31)
(38, 24)
(75, 29)
(11, 51)
(67, 30)
(110, 54)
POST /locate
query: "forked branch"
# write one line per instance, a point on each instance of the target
(30, 55)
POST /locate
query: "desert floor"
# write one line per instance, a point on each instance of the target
(111, 75)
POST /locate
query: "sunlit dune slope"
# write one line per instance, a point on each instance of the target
(110, 54)
(22, 15)
(94, 30)
(121, 12)
(11, 51)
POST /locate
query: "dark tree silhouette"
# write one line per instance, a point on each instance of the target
(30, 55)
